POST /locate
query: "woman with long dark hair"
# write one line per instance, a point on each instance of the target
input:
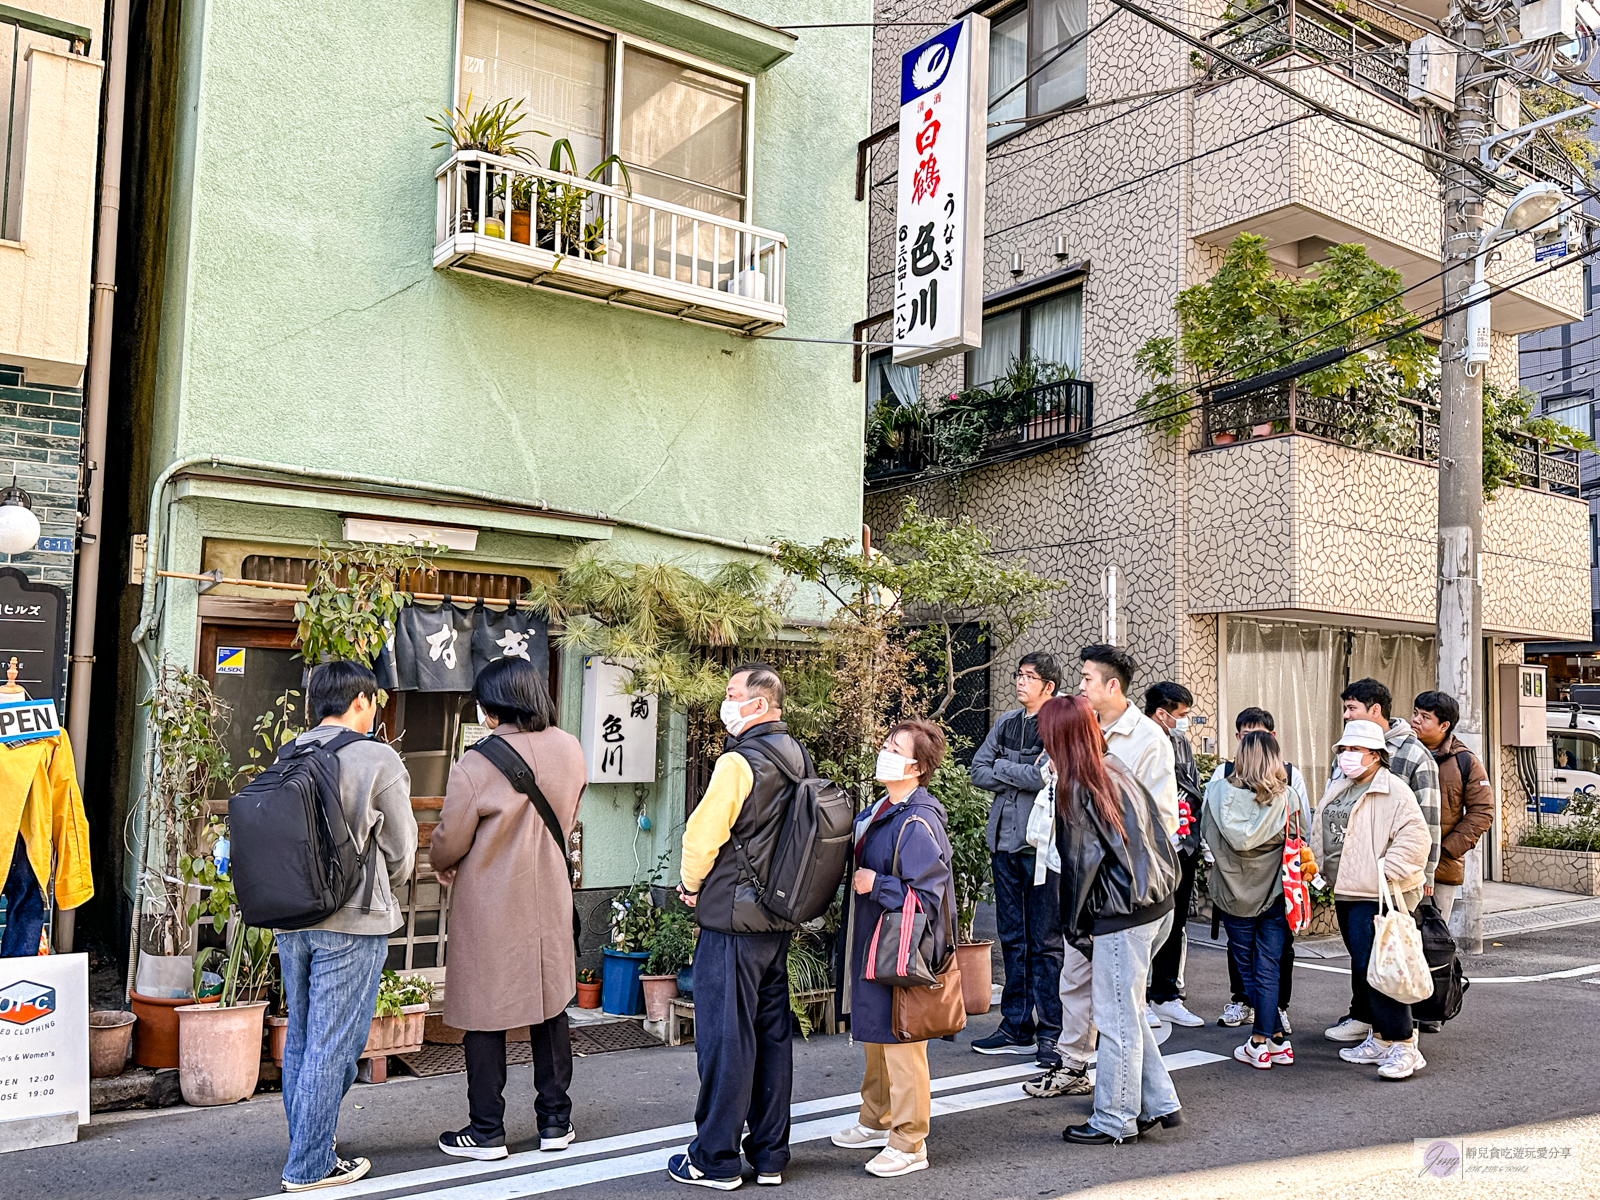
(1119, 872)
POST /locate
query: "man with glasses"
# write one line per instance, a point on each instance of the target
(1009, 764)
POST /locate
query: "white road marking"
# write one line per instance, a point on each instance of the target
(1570, 973)
(557, 1177)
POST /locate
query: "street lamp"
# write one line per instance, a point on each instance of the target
(1534, 206)
(19, 527)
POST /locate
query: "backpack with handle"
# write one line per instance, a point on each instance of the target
(520, 776)
(295, 858)
(1450, 982)
(813, 847)
(1397, 968)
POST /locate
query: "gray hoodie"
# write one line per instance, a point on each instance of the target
(375, 793)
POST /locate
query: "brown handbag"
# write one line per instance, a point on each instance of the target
(936, 1010)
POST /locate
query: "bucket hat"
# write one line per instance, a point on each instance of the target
(1366, 734)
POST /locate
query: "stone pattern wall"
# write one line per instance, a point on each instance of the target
(1563, 870)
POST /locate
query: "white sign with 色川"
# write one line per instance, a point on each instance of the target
(619, 730)
(938, 251)
(44, 1037)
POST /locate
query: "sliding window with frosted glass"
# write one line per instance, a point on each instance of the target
(560, 75)
(1008, 68)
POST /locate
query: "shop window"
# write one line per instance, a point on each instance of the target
(1050, 329)
(1038, 62)
(679, 128)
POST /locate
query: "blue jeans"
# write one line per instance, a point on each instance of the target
(1028, 920)
(1130, 1080)
(1256, 946)
(24, 907)
(330, 983)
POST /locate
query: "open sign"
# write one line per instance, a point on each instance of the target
(28, 719)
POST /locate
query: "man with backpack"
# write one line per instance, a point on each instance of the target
(742, 1042)
(331, 969)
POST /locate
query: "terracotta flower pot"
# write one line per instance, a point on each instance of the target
(1224, 439)
(977, 976)
(109, 1035)
(277, 1038)
(155, 1037)
(589, 995)
(219, 1052)
(520, 226)
(659, 993)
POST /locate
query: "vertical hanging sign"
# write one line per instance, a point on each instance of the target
(938, 253)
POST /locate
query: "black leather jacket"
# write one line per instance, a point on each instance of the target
(1110, 881)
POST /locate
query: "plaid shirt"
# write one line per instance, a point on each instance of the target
(1412, 762)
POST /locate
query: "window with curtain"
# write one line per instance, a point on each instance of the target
(1035, 64)
(1575, 412)
(1050, 329)
(887, 382)
(679, 129)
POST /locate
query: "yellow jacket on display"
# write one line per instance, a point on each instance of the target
(39, 799)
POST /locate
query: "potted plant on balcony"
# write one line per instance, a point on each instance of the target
(559, 207)
(671, 951)
(492, 130)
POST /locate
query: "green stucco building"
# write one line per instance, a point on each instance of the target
(324, 320)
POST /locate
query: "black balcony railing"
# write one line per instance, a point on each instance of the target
(964, 435)
(1409, 428)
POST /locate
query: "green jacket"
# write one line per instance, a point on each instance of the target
(1246, 841)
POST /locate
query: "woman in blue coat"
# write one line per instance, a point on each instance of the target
(895, 1096)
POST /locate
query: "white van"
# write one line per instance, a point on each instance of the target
(1574, 763)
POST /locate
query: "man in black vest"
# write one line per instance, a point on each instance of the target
(741, 1031)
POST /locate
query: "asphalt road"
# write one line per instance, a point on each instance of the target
(1519, 1053)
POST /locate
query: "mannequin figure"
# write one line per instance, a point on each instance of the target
(11, 690)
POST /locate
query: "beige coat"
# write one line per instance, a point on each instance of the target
(1386, 822)
(510, 958)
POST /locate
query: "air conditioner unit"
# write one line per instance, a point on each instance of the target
(1507, 105)
(1432, 63)
(1547, 19)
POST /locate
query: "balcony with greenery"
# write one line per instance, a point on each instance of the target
(1036, 406)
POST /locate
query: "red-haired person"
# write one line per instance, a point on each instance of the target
(1119, 873)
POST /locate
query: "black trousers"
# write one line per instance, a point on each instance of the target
(744, 1050)
(486, 1078)
(1285, 976)
(1167, 962)
(1389, 1019)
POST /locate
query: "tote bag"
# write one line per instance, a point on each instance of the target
(1397, 968)
(895, 955)
(1296, 892)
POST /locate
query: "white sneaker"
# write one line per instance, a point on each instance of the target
(1347, 1030)
(1405, 1059)
(1174, 1011)
(1282, 1052)
(1283, 1022)
(1258, 1056)
(1369, 1051)
(858, 1135)
(1150, 1017)
(770, 1179)
(892, 1163)
(1235, 1014)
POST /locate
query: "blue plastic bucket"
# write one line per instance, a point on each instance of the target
(621, 993)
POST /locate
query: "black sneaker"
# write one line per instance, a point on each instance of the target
(557, 1138)
(1001, 1042)
(463, 1143)
(345, 1170)
(681, 1170)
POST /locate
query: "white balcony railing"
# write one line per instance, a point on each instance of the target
(564, 233)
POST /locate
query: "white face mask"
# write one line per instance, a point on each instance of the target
(1351, 763)
(483, 717)
(891, 766)
(732, 721)
(1181, 725)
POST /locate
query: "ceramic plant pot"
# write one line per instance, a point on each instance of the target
(219, 1051)
(155, 1036)
(110, 1034)
(589, 995)
(659, 993)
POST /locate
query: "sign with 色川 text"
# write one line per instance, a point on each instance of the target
(938, 251)
(619, 730)
(44, 1036)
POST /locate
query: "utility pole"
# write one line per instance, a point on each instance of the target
(1460, 616)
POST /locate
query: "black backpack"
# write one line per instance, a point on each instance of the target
(813, 846)
(295, 858)
(1450, 982)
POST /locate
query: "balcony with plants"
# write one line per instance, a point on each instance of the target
(503, 216)
(1034, 407)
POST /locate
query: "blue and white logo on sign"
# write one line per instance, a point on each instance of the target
(922, 69)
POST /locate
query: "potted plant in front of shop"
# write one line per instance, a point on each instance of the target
(671, 952)
(219, 1041)
(634, 918)
(588, 988)
(967, 808)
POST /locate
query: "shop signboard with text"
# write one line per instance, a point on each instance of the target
(938, 251)
(44, 1038)
(619, 730)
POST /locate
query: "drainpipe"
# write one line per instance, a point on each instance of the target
(156, 545)
(86, 592)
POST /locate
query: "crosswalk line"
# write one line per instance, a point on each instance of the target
(558, 1177)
